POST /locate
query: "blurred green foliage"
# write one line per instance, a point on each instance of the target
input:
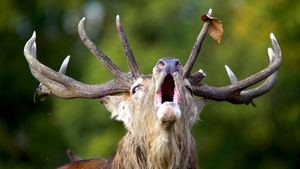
(36, 135)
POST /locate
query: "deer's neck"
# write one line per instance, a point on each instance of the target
(161, 150)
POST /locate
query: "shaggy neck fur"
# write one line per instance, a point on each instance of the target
(152, 146)
(149, 144)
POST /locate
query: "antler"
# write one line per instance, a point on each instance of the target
(197, 47)
(236, 93)
(128, 52)
(52, 82)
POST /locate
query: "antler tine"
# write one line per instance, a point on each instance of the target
(196, 48)
(133, 66)
(273, 67)
(64, 65)
(43, 90)
(231, 75)
(117, 73)
(234, 93)
(248, 95)
(62, 85)
(196, 78)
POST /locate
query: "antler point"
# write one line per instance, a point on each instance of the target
(30, 46)
(81, 24)
(64, 65)
(209, 12)
(33, 37)
(272, 37)
(228, 70)
(82, 21)
(68, 57)
(118, 22)
(231, 75)
(201, 71)
(33, 34)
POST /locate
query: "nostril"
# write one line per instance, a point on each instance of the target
(160, 64)
(177, 64)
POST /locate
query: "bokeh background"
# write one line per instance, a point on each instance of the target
(36, 135)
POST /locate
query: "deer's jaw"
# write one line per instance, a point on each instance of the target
(167, 98)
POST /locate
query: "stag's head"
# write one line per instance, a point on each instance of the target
(158, 101)
(157, 109)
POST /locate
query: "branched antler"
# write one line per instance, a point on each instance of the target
(236, 93)
(56, 83)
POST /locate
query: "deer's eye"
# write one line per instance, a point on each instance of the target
(135, 88)
(189, 88)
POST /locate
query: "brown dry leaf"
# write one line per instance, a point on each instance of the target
(215, 28)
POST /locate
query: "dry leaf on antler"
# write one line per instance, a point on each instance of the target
(215, 28)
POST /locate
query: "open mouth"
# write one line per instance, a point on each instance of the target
(167, 99)
(167, 92)
(167, 89)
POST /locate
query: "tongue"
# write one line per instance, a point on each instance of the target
(167, 89)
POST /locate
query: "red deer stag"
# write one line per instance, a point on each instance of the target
(158, 110)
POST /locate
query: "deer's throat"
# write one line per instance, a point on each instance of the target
(164, 150)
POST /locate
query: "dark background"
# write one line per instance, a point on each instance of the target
(36, 135)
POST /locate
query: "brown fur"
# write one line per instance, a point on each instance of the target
(88, 164)
(150, 143)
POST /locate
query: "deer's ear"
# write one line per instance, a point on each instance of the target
(118, 106)
(200, 103)
(198, 106)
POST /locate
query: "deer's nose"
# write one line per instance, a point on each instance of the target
(169, 65)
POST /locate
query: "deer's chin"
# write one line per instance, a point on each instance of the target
(168, 112)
